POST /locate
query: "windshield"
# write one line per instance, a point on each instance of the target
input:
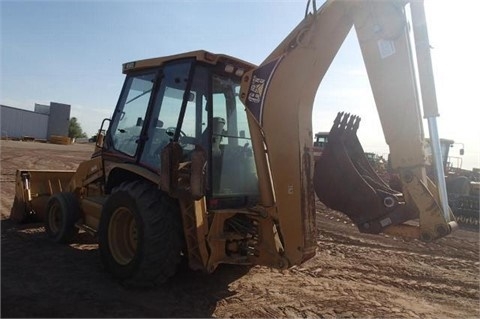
(128, 119)
(166, 111)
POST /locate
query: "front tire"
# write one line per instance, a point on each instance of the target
(140, 235)
(63, 211)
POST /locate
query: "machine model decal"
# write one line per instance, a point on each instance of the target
(386, 48)
(258, 86)
(256, 89)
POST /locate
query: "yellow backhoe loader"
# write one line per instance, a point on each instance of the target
(209, 157)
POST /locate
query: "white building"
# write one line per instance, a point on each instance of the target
(44, 121)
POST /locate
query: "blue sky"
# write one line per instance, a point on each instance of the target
(72, 51)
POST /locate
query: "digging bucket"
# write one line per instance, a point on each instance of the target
(345, 181)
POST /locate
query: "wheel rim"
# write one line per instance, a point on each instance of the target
(122, 236)
(55, 218)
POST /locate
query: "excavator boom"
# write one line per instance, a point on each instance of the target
(281, 92)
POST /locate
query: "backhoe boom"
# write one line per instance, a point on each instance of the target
(280, 94)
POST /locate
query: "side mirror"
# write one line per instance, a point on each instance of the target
(100, 136)
(462, 151)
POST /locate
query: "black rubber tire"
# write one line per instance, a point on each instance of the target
(63, 211)
(148, 231)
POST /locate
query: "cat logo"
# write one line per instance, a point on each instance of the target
(256, 89)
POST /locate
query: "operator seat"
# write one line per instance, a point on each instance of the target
(218, 124)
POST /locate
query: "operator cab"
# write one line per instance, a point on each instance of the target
(192, 99)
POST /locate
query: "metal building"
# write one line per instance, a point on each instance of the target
(59, 119)
(45, 121)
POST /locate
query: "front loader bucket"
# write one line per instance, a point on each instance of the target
(345, 181)
(33, 189)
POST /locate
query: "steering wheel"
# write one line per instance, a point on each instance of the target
(170, 131)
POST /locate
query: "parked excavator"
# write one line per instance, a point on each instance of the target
(321, 140)
(210, 158)
(463, 186)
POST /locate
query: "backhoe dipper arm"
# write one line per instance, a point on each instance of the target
(279, 97)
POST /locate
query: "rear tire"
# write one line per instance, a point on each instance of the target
(63, 211)
(140, 235)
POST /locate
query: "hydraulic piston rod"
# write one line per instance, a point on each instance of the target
(427, 85)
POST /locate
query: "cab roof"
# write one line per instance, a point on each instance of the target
(199, 55)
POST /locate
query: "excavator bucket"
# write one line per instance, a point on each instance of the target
(33, 189)
(345, 181)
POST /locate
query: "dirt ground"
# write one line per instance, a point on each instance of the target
(353, 275)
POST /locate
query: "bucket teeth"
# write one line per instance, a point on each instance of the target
(345, 124)
(352, 124)
(344, 121)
